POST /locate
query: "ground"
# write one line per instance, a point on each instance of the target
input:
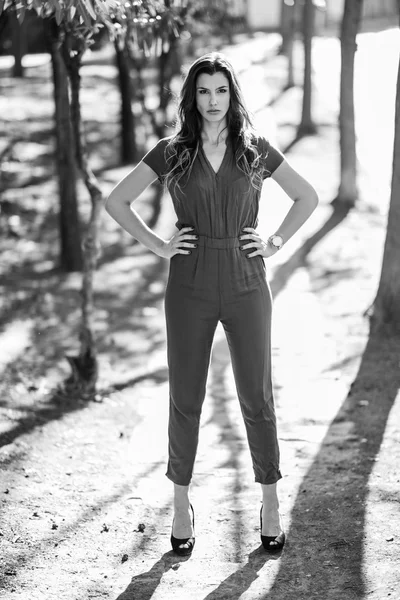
(86, 506)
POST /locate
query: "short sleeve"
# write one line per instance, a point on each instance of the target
(271, 157)
(156, 158)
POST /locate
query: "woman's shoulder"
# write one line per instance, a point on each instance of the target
(265, 144)
(271, 156)
(156, 157)
(163, 142)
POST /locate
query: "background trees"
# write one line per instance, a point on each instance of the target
(148, 40)
(146, 28)
(71, 28)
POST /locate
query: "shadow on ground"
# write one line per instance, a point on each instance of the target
(335, 488)
(144, 585)
(54, 317)
(299, 258)
(334, 492)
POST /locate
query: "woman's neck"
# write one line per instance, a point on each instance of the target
(214, 133)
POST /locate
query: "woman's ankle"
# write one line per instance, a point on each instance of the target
(181, 497)
(270, 496)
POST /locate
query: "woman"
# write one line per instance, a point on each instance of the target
(214, 167)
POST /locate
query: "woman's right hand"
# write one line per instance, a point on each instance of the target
(180, 243)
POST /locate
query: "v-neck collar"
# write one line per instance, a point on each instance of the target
(215, 172)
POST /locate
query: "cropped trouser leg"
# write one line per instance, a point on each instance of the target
(247, 324)
(191, 323)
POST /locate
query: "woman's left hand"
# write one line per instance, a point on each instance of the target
(262, 248)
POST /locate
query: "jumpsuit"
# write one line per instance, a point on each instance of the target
(217, 282)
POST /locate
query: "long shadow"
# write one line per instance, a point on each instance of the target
(328, 519)
(144, 585)
(299, 258)
(271, 103)
(298, 137)
(157, 376)
(228, 436)
(234, 586)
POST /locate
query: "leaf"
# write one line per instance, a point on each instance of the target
(84, 14)
(6, 4)
(21, 13)
(105, 5)
(89, 8)
(59, 13)
(40, 8)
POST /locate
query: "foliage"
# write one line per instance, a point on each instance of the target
(145, 25)
(148, 26)
(86, 12)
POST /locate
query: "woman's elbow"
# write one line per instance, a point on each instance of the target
(314, 199)
(311, 198)
(110, 203)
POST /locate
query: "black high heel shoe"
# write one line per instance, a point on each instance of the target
(267, 539)
(188, 543)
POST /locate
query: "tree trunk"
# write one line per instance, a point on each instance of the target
(129, 153)
(169, 64)
(386, 310)
(290, 73)
(290, 37)
(164, 78)
(71, 258)
(285, 26)
(18, 37)
(85, 366)
(347, 193)
(307, 126)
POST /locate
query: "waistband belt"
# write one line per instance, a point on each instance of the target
(219, 243)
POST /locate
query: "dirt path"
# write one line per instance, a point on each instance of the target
(86, 507)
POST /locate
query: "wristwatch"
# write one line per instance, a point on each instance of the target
(276, 241)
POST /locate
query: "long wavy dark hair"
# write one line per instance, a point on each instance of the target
(182, 149)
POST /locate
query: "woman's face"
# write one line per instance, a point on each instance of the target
(212, 96)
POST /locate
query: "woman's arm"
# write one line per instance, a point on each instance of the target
(118, 206)
(304, 196)
(305, 201)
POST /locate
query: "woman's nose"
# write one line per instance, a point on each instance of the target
(213, 100)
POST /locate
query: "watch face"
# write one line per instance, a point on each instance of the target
(277, 240)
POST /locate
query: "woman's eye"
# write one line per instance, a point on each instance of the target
(223, 91)
(202, 91)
